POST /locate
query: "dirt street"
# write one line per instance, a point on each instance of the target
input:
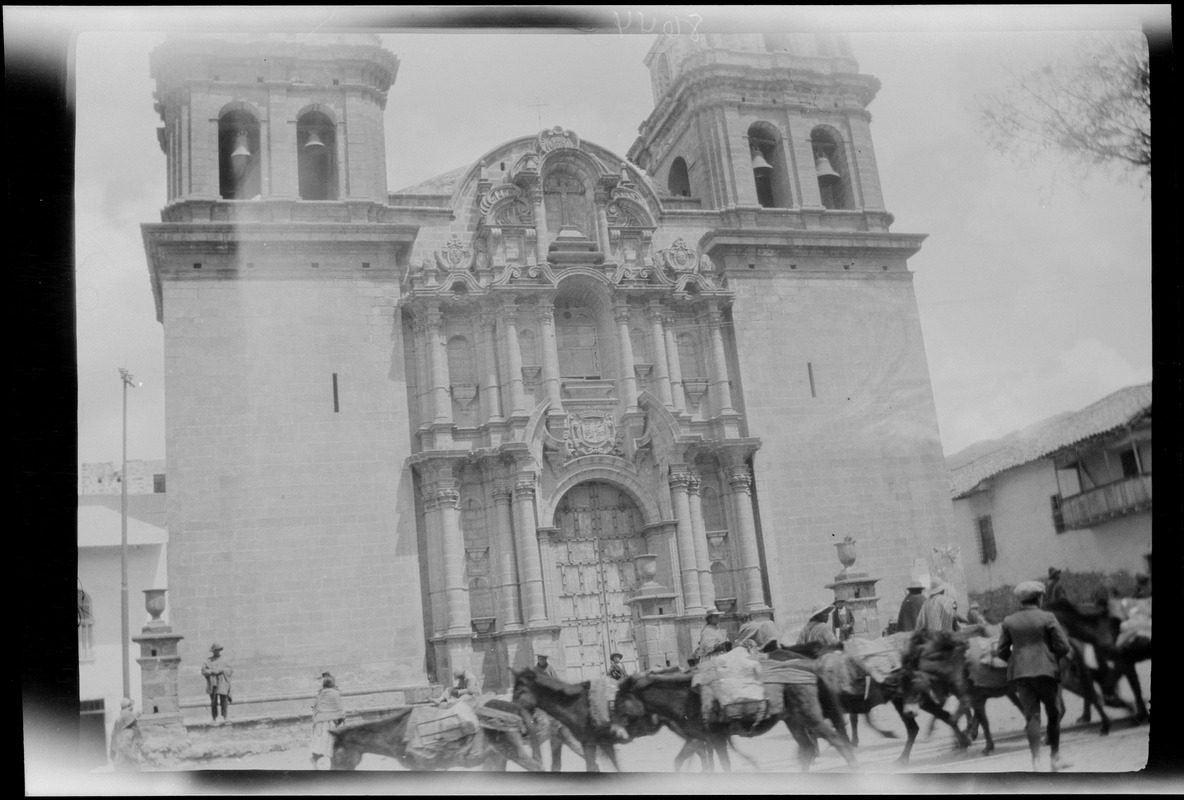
(759, 764)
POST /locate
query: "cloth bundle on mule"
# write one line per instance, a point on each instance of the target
(433, 733)
(730, 687)
(1136, 621)
(881, 657)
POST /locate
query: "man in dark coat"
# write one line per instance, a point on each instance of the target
(910, 607)
(1032, 643)
(843, 621)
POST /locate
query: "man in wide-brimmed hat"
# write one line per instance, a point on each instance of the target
(712, 639)
(1055, 591)
(940, 610)
(616, 669)
(126, 740)
(217, 672)
(818, 628)
(910, 606)
(1032, 643)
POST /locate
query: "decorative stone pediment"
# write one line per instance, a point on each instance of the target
(506, 205)
(557, 139)
(678, 259)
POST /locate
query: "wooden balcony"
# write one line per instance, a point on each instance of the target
(1114, 500)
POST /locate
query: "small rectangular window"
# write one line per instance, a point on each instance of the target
(986, 540)
(1058, 518)
(1130, 465)
(158, 483)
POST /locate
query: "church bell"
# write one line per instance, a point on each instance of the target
(760, 166)
(241, 153)
(826, 173)
(313, 140)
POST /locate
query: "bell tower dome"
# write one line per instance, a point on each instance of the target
(273, 116)
(776, 123)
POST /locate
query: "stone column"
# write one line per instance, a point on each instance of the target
(699, 534)
(601, 201)
(720, 385)
(688, 573)
(677, 395)
(423, 373)
(456, 590)
(530, 569)
(513, 357)
(658, 345)
(506, 568)
(493, 402)
(540, 221)
(625, 348)
(546, 316)
(740, 481)
(435, 557)
(438, 359)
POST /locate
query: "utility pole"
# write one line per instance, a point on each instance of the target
(128, 380)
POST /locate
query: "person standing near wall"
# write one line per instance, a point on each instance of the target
(125, 751)
(328, 712)
(910, 607)
(217, 672)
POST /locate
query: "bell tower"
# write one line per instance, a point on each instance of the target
(273, 117)
(773, 123)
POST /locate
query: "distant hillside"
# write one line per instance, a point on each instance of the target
(980, 449)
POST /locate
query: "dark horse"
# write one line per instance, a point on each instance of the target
(387, 737)
(674, 700)
(981, 682)
(570, 705)
(892, 690)
(1097, 628)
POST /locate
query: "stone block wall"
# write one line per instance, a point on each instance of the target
(850, 443)
(292, 539)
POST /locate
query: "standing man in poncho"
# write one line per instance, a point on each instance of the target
(940, 612)
(217, 673)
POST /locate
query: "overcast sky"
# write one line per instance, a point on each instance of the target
(1034, 287)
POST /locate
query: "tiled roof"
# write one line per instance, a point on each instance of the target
(1106, 415)
(441, 184)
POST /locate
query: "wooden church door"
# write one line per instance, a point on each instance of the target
(600, 534)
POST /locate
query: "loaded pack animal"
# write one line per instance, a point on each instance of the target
(1100, 629)
(490, 747)
(543, 730)
(570, 704)
(856, 693)
(975, 677)
(674, 699)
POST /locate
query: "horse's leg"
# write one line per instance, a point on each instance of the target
(855, 730)
(611, 752)
(1132, 677)
(807, 745)
(806, 707)
(721, 748)
(556, 752)
(590, 764)
(980, 716)
(911, 728)
(940, 713)
(887, 734)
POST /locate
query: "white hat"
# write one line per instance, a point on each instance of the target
(1029, 589)
(820, 608)
(937, 586)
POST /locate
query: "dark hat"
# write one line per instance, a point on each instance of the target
(214, 648)
(615, 655)
(712, 615)
(541, 655)
(325, 674)
(1053, 572)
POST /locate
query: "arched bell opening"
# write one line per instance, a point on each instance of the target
(238, 156)
(316, 156)
(831, 169)
(769, 171)
(679, 180)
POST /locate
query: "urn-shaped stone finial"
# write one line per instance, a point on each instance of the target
(154, 602)
(846, 550)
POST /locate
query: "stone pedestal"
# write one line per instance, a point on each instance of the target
(160, 723)
(858, 589)
(655, 631)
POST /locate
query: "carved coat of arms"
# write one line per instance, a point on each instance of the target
(589, 434)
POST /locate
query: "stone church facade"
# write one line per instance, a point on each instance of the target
(563, 400)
